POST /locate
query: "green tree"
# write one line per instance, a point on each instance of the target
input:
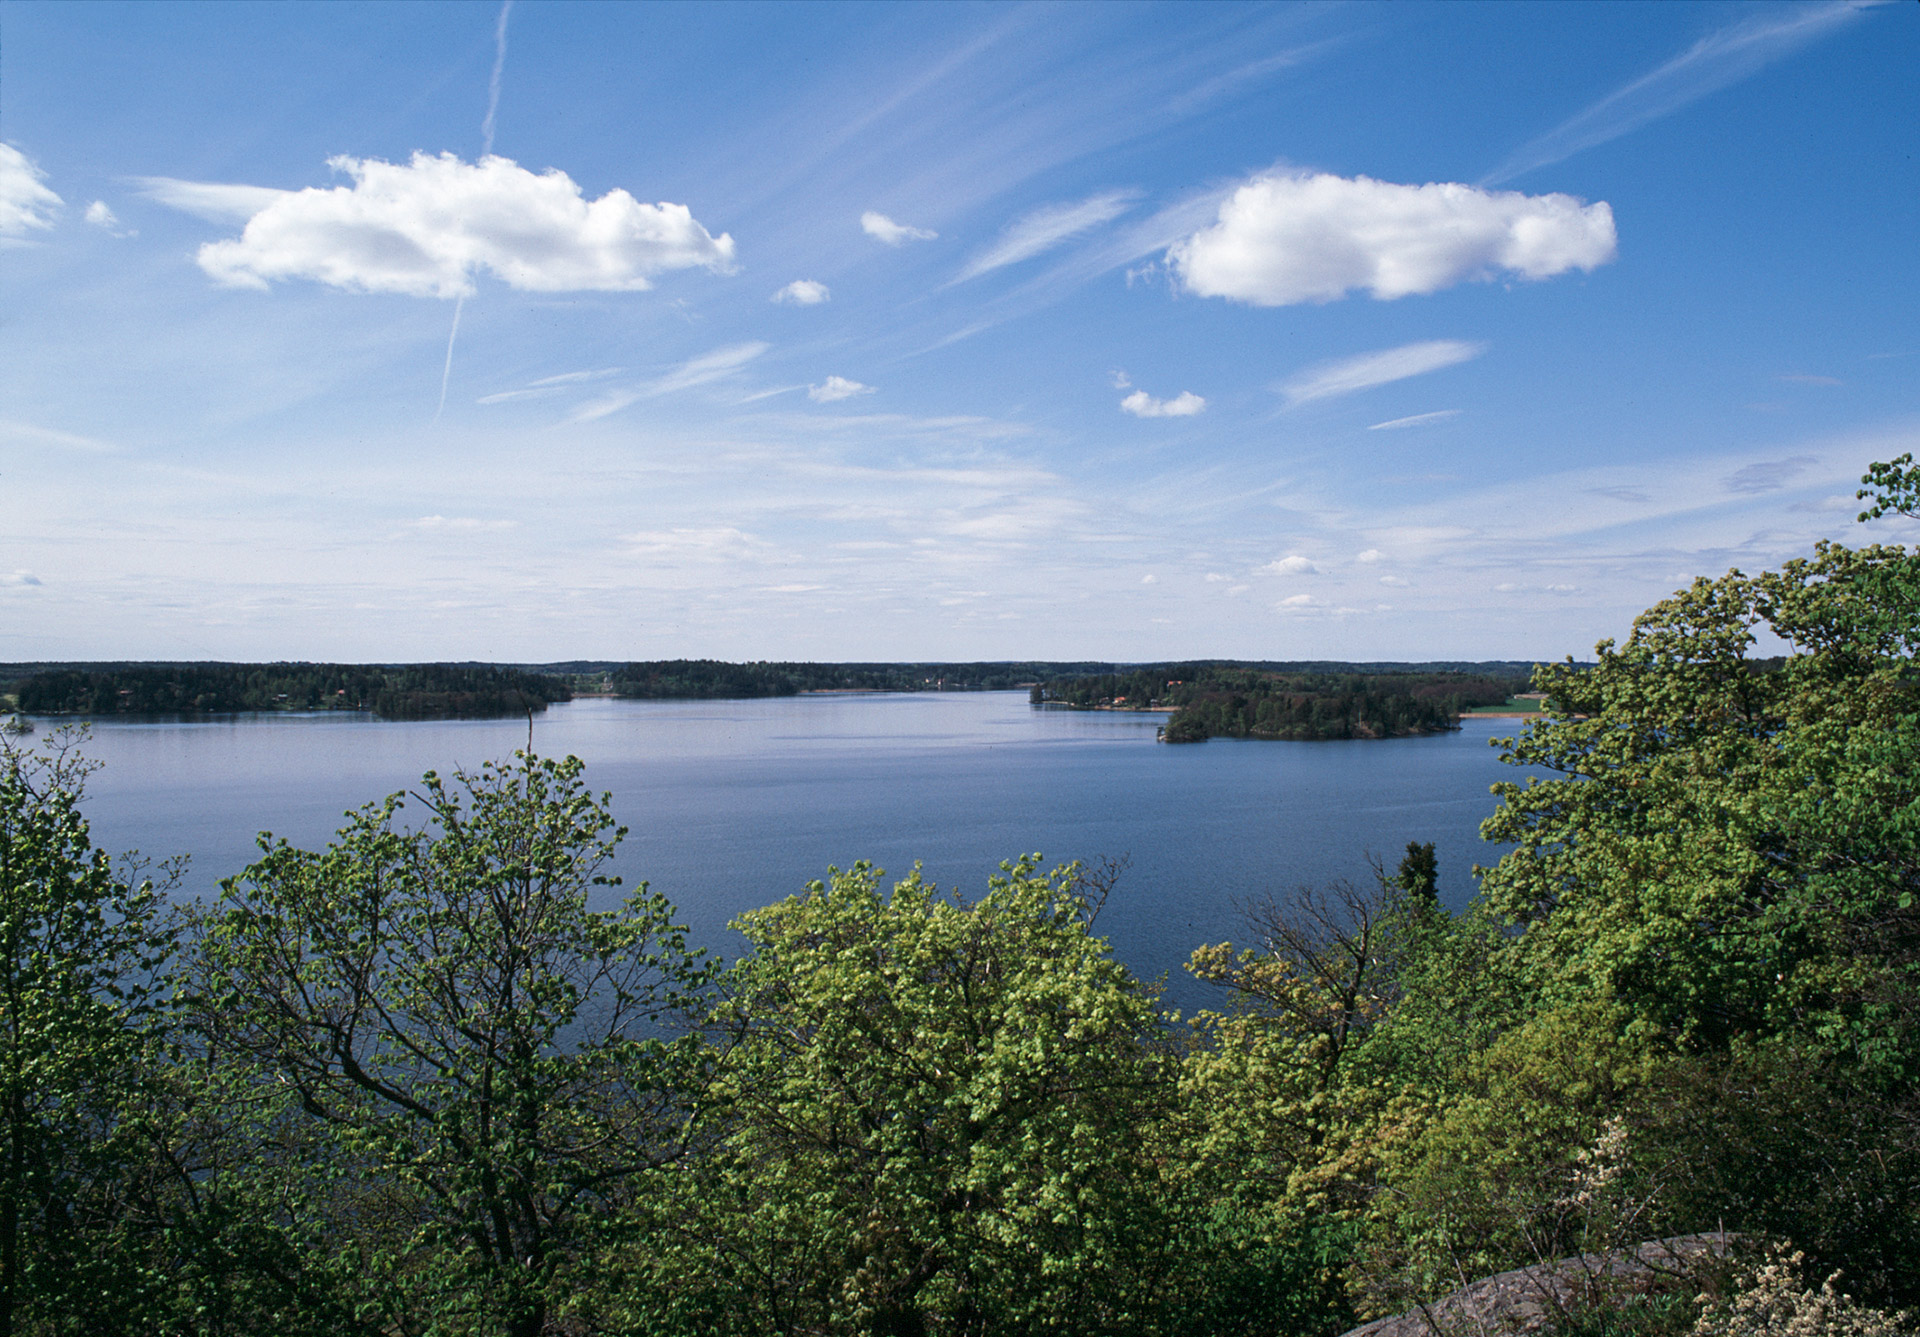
(83, 1026)
(931, 1116)
(487, 1055)
(1734, 849)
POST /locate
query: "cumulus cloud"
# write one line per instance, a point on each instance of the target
(1292, 565)
(1370, 556)
(836, 387)
(426, 227)
(24, 201)
(1149, 579)
(1284, 239)
(1045, 228)
(1393, 582)
(1328, 380)
(18, 579)
(1417, 420)
(1143, 405)
(102, 217)
(882, 228)
(1296, 601)
(803, 292)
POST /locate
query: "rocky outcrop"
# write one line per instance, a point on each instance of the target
(1533, 1299)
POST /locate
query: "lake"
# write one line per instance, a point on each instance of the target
(736, 804)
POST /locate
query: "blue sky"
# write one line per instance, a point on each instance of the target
(936, 332)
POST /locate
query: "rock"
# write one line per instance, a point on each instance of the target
(1532, 1299)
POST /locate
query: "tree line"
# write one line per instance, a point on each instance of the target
(393, 691)
(696, 679)
(415, 1083)
(1210, 700)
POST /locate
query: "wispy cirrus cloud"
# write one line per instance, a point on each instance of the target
(548, 386)
(427, 227)
(1044, 228)
(26, 202)
(1417, 420)
(1715, 61)
(697, 371)
(1282, 239)
(1329, 380)
(884, 229)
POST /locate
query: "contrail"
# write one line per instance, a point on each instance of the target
(493, 84)
(486, 147)
(446, 372)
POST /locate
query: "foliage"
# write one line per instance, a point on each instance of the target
(82, 1030)
(484, 1052)
(697, 679)
(929, 1115)
(1212, 699)
(1776, 1300)
(1735, 847)
(399, 691)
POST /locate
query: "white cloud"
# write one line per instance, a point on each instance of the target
(549, 385)
(1215, 578)
(102, 217)
(217, 202)
(1417, 420)
(716, 543)
(18, 579)
(427, 227)
(24, 202)
(696, 371)
(1370, 556)
(835, 388)
(1394, 582)
(1279, 240)
(1045, 228)
(1292, 565)
(459, 523)
(1149, 579)
(803, 292)
(882, 228)
(1143, 405)
(48, 436)
(1328, 380)
(1710, 64)
(1120, 380)
(1296, 601)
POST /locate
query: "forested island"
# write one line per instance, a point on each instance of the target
(411, 1083)
(1223, 700)
(395, 692)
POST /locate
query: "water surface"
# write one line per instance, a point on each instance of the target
(735, 804)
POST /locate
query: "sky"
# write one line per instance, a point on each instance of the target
(937, 332)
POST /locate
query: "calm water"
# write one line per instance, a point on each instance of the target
(735, 804)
